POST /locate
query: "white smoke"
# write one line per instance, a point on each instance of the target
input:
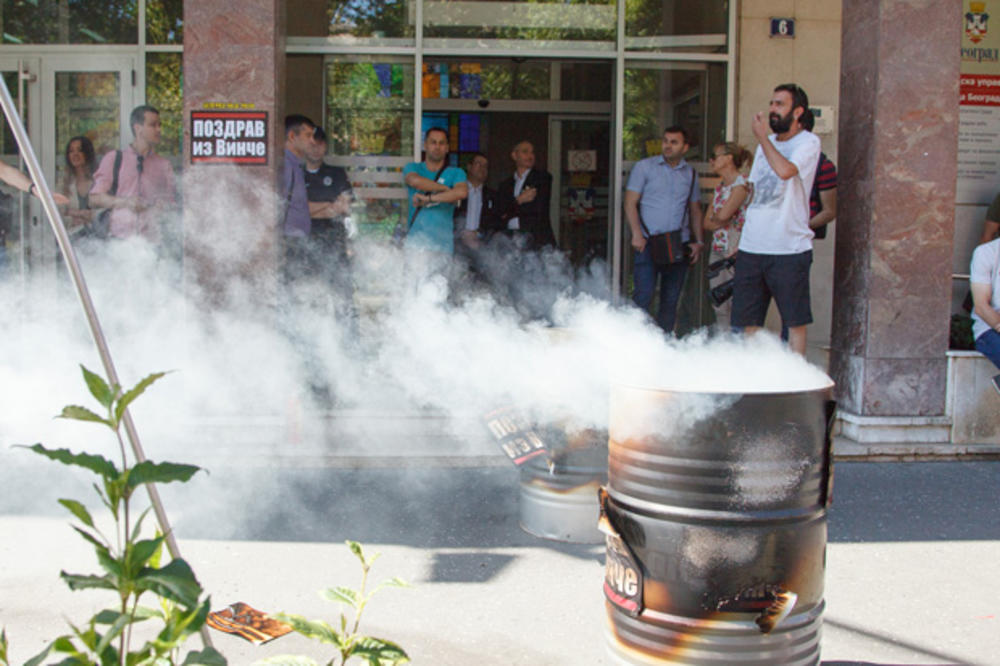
(549, 342)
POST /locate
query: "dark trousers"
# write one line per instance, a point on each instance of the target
(646, 274)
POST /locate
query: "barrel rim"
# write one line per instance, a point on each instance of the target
(663, 389)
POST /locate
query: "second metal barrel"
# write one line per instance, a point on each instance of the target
(559, 492)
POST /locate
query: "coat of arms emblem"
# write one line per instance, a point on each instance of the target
(975, 21)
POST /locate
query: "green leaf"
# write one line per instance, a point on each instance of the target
(377, 650)
(113, 632)
(395, 581)
(137, 529)
(180, 623)
(133, 393)
(138, 554)
(78, 510)
(98, 387)
(110, 616)
(175, 581)
(98, 544)
(110, 564)
(342, 594)
(40, 657)
(207, 657)
(97, 464)
(150, 472)
(79, 582)
(3, 647)
(357, 550)
(286, 660)
(316, 629)
(78, 413)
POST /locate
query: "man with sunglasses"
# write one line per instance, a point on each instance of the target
(775, 250)
(143, 189)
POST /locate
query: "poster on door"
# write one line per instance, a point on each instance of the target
(979, 106)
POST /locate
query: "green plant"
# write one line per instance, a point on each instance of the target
(130, 564)
(376, 651)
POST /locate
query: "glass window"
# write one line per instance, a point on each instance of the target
(544, 21)
(165, 21)
(164, 89)
(87, 104)
(9, 147)
(677, 25)
(369, 122)
(586, 81)
(658, 95)
(371, 19)
(510, 78)
(69, 21)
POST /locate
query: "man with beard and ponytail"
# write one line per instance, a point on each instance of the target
(775, 250)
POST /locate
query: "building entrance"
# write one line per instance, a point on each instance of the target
(59, 97)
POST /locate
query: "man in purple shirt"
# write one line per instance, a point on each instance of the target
(297, 224)
(146, 189)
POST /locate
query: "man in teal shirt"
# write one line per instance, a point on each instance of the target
(434, 189)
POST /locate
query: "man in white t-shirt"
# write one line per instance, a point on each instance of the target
(775, 250)
(984, 279)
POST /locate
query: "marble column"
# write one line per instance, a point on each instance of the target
(234, 59)
(896, 198)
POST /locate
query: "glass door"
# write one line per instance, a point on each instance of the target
(580, 158)
(20, 76)
(88, 96)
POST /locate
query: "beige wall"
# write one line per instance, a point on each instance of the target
(812, 60)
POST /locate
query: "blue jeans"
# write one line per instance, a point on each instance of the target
(988, 344)
(671, 279)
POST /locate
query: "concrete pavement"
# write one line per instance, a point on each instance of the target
(913, 563)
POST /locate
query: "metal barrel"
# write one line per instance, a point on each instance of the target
(558, 498)
(716, 515)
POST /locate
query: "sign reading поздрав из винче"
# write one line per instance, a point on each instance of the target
(229, 137)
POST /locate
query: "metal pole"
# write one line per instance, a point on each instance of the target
(62, 238)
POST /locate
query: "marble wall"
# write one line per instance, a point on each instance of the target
(898, 153)
(234, 57)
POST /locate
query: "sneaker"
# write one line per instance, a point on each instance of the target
(996, 382)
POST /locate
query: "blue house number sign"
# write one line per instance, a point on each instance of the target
(782, 27)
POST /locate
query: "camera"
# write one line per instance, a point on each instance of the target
(717, 267)
(721, 293)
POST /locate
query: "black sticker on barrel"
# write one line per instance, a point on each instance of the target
(622, 574)
(517, 438)
(772, 603)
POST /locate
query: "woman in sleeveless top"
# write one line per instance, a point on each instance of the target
(725, 220)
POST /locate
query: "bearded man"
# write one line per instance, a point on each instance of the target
(775, 250)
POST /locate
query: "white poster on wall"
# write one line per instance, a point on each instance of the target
(979, 108)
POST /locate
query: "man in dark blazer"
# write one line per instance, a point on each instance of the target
(524, 199)
(476, 216)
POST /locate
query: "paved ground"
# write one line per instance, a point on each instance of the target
(913, 564)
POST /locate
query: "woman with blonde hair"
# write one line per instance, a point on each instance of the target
(726, 217)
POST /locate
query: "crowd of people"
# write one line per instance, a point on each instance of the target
(756, 233)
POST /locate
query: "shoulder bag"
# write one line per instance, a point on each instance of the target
(668, 248)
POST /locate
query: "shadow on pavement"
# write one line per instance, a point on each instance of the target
(892, 640)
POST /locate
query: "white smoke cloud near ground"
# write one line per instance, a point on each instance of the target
(421, 349)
